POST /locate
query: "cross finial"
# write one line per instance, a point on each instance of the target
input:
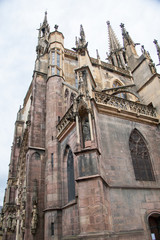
(108, 23)
(56, 27)
(122, 25)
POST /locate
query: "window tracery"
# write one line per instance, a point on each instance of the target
(140, 157)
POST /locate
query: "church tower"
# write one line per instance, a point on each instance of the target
(84, 161)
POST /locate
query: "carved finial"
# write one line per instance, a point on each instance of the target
(98, 57)
(122, 25)
(158, 49)
(56, 27)
(123, 29)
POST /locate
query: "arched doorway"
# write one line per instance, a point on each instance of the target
(154, 225)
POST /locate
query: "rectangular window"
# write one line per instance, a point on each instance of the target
(52, 229)
(53, 71)
(58, 72)
(53, 58)
(76, 81)
(58, 59)
(52, 160)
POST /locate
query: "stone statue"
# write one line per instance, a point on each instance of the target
(34, 220)
(86, 130)
(9, 221)
(14, 222)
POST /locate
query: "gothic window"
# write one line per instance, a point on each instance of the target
(140, 157)
(70, 176)
(55, 61)
(121, 95)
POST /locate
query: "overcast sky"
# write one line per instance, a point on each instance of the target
(18, 40)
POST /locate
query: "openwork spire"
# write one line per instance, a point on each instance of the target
(158, 49)
(114, 44)
(116, 54)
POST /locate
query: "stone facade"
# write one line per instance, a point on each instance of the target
(85, 161)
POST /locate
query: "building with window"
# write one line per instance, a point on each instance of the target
(85, 160)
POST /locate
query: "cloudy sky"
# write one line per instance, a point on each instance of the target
(18, 39)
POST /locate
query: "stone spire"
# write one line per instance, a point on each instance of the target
(158, 49)
(127, 41)
(81, 44)
(114, 44)
(116, 53)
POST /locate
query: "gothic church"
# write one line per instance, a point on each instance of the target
(85, 160)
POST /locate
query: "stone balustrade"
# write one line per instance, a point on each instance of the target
(123, 104)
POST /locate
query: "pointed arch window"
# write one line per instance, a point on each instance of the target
(116, 84)
(70, 176)
(140, 157)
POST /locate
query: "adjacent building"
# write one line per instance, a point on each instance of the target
(85, 160)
